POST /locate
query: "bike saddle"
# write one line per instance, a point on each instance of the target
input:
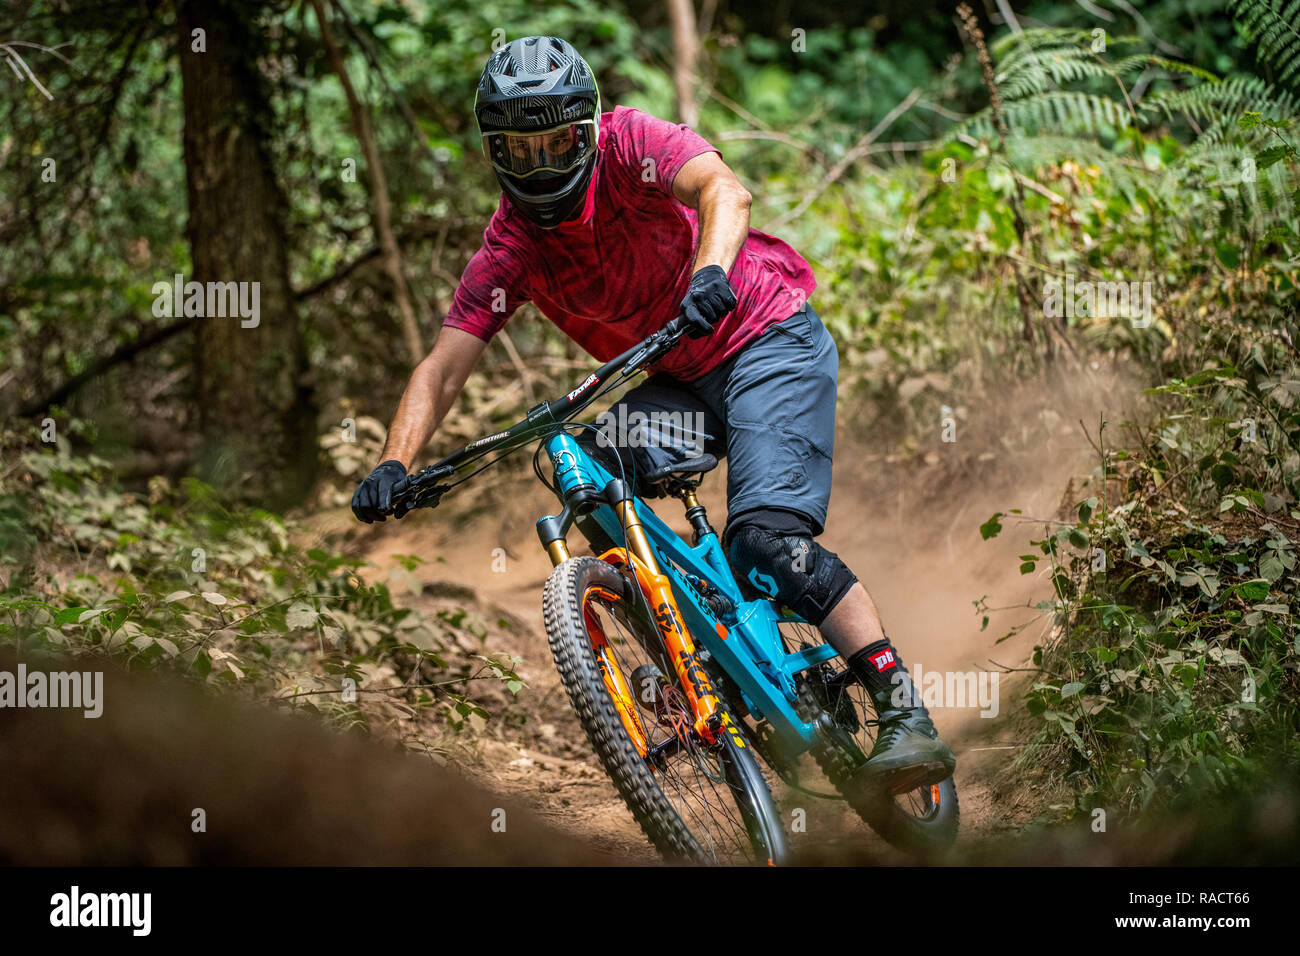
(692, 466)
(673, 478)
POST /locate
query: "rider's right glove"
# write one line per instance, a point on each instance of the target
(708, 300)
(373, 498)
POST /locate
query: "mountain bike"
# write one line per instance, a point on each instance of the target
(680, 679)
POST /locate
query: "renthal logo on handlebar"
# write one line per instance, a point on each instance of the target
(488, 440)
(591, 380)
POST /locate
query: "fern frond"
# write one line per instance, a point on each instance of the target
(1230, 97)
(1032, 154)
(1039, 70)
(1177, 66)
(1040, 37)
(1274, 27)
(1057, 111)
(1215, 182)
(1066, 111)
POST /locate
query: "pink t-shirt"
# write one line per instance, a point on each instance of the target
(620, 271)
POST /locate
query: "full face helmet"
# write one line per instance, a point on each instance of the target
(538, 112)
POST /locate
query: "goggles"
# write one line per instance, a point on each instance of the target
(555, 150)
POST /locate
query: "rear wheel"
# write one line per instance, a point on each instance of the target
(923, 820)
(694, 800)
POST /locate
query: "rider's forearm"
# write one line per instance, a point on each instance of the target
(427, 399)
(724, 223)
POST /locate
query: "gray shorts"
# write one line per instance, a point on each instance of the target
(770, 410)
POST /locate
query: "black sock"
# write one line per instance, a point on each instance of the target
(880, 670)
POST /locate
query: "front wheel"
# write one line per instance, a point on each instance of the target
(694, 800)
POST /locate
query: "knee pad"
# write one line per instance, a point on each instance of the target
(774, 552)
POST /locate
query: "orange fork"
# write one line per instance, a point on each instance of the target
(658, 590)
(612, 675)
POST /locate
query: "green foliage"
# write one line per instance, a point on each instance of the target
(1214, 102)
(1173, 666)
(1274, 27)
(183, 582)
(839, 85)
(1174, 669)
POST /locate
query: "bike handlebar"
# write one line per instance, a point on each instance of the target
(423, 490)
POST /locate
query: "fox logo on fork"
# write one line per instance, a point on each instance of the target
(667, 618)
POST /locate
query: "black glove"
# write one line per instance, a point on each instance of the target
(373, 498)
(708, 300)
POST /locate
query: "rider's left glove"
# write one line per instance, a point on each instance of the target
(373, 498)
(708, 300)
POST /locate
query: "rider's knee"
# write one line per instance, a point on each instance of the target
(775, 552)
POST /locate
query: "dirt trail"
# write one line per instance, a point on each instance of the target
(909, 529)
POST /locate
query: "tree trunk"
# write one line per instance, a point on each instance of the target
(255, 404)
(681, 14)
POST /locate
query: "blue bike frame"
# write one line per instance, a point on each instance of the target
(752, 652)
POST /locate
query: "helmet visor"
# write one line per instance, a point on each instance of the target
(556, 150)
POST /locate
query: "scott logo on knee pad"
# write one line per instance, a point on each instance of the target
(787, 564)
(764, 582)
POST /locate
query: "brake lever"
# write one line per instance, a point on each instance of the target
(431, 473)
(660, 343)
(424, 498)
(421, 496)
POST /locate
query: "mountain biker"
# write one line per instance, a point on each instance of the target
(612, 224)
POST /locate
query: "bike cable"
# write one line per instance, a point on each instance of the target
(529, 435)
(622, 471)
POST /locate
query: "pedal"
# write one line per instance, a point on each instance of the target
(919, 776)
